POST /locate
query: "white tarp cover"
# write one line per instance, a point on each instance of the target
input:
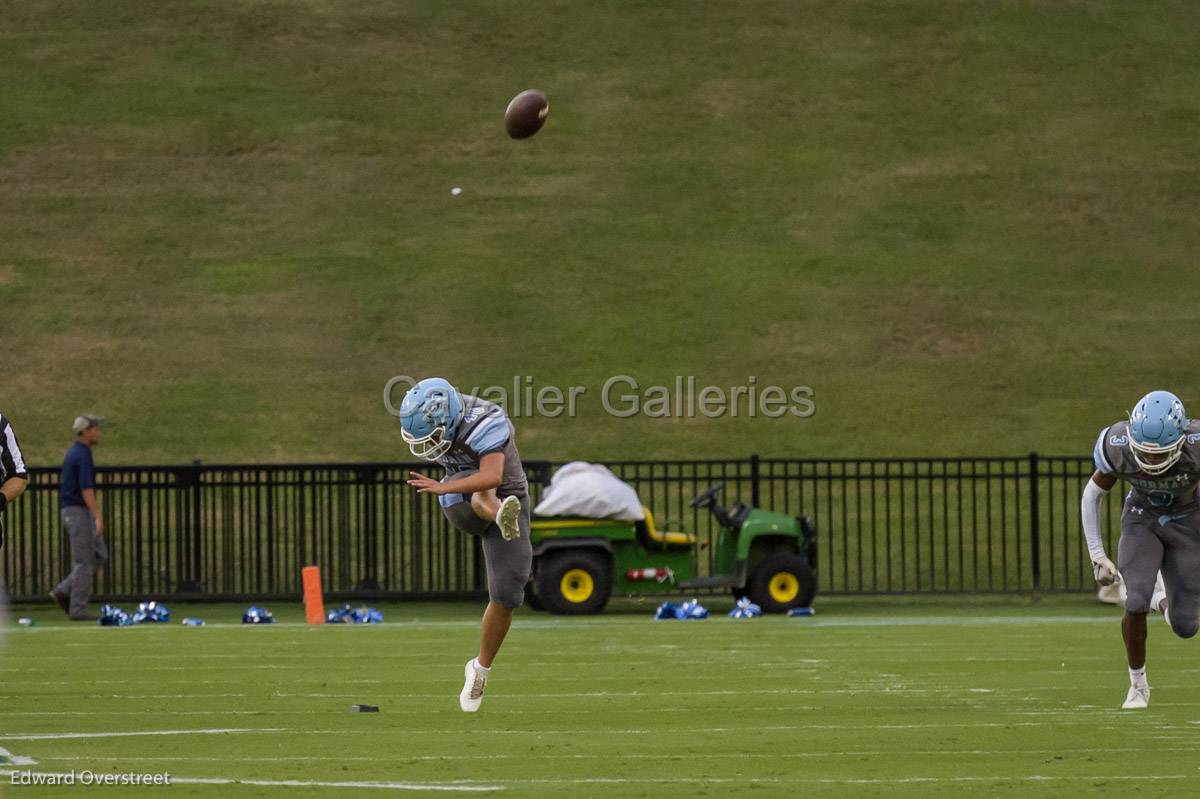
(591, 491)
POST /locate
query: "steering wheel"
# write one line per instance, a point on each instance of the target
(708, 496)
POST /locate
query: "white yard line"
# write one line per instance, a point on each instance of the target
(77, 683)
(898, 686)
(1089, 721)
(628, 756)
(192, 668)
(959, 621)
(543, 732)
(143, 712)
(15, 760)
(583, 694)
(167, 696)
(846, 780)
(1095, 715)
(473, 787)
(58, 736)
(393, 786)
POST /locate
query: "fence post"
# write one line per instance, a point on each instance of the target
(188, 548)
(1034, 524)
(755, 500)
(368, 477)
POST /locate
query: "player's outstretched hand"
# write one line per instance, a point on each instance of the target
(423, 484)
(1105, 571)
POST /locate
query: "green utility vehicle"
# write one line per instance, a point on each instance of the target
(579, 563)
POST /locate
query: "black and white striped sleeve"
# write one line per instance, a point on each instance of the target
(12, 464)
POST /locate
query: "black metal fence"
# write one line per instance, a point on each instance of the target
(907, 525)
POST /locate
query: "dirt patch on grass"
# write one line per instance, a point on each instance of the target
(932, 340)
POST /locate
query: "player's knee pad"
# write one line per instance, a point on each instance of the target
(463, 517)
(510, 590)
(1137, 598)
(510, 596)
(1185, 627)
(1137, 605)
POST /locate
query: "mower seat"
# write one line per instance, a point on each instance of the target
(652, 538)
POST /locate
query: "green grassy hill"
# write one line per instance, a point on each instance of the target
(970, 227)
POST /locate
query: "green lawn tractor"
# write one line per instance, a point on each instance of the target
(579, 563)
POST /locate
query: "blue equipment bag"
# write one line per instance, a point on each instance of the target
(257, 615)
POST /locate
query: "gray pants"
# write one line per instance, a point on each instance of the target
(88, 552)
(508, 562)
(1151, 543)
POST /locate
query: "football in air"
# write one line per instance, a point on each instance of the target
(526, 113)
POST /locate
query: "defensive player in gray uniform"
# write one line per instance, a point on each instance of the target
(484, 493)
(1157, 452)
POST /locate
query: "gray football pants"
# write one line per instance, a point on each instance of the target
(1151, 543)
(88, 552)
(508, 562)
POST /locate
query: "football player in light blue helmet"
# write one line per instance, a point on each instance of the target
(484, 493)
(1157, 452)
(1157, 431)
(429, 417)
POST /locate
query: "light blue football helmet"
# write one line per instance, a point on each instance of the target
(1157, 430)
(429, 417)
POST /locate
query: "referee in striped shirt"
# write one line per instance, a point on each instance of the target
(13, 477)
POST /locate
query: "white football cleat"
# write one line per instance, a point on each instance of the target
(471, 696)
(1137, 698)
(508, 518)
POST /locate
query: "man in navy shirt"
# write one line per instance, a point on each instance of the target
(81, 519)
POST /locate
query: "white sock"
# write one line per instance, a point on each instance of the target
(1137, 676)
(486, 671)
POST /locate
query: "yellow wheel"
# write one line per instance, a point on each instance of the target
(783, 587)
(782, 581)
(574, 581)
(577, 586)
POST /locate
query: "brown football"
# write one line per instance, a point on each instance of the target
(526, 114)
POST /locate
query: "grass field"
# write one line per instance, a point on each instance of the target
(900, 698)
(225, 226)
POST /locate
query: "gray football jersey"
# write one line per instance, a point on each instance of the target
(486, 428)
(1174, 490)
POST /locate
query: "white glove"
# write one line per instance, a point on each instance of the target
(1105, 571)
